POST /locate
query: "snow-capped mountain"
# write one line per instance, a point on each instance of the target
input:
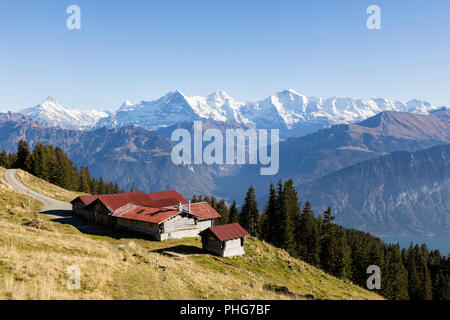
(53, 114)
(175, 107)
(288, 110)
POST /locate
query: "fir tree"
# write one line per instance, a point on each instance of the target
(249, 214)
(440, 286)
(234, 213)
(4, 160)
(307, 236)
(342, 265)
(328, 242)
(222, 209)
(270, 220)
(214, 203)
(85, 180)
(394, 280)
(102, 186)
(291, 216)
(23, 154)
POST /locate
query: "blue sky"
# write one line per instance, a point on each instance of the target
(139, 50)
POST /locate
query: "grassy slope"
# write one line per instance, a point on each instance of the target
(45, 188)
(33, 265)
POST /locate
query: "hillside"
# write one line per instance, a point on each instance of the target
(45, 188)
(33, 265)
(399, 193)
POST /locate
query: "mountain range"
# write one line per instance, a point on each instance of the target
(133, 154)
(327, 150)
(340, 152)
(53, 114)
(399, 193)
(288, 110)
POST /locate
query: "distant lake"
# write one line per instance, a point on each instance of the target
(433, 243)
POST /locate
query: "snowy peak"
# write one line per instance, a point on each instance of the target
(288, 110)
(53, 114)
(127, 105)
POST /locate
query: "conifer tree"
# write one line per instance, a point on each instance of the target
(291, 211)
(342, 264)
(4, 160)
(307, 236)
(426, 285)
(279, 227)
(12, 159)
(85, 180)
(270, 220)
(328, 242)
(249, 214)
(394, 280)
(360, 260)
(110, 188)
(23, 153)
(440, 286)
(102, 186)
(222, 209)
(375, 256)
(214, 202)
(234, 213)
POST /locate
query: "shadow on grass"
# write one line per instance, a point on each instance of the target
(87, 227)
(181, 249)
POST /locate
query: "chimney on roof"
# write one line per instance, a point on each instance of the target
(189, 206)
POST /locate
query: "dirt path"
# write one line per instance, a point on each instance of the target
(55, 208)
(59, 210)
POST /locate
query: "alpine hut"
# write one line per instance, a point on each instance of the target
(225, 240)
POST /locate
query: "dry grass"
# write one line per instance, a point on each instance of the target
(45, 188)
(33, 265)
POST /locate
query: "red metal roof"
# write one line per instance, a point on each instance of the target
(145, 213)
(168, 202)
(204, 210)
(165, 201)
(166, 198)
(115, 201)
(227, 231)
(87, 199)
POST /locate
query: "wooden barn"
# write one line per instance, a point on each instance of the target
(101, 209)
(226, 240)
(163, 215)
(79, 204)
(161, 223)
(172, 222)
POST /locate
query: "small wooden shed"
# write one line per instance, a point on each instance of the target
(225, 240)
(79, 203)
